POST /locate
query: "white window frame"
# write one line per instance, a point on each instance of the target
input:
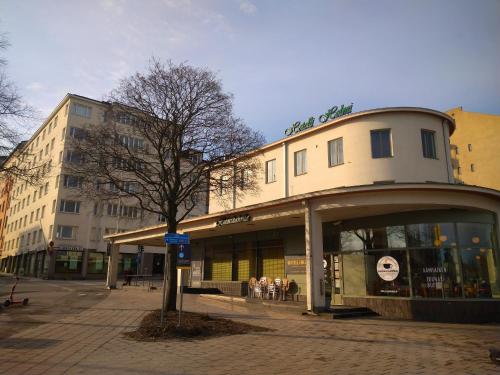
(300, 162)
(270, 171)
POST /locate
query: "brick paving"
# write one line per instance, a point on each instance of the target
(91, 342)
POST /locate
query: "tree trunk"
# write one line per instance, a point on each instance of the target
(171, 291)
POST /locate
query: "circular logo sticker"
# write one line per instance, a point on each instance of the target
(181, 255)
(388, 268)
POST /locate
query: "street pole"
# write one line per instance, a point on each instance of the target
(165, 270)
(180, 304)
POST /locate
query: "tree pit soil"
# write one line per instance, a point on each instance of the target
(194, 326)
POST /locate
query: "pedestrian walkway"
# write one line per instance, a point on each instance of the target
(91, 342)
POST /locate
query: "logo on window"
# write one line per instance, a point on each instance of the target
(388, 268)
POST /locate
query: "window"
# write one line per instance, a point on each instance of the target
(428, 144)
(81, 110)
(69, 206)
(77, 133)
(43, 212)
(68, 261)
(223, 183)
(469, 147)
(130, 142)
(336, 152)
(53, 206)
(128, 211)
(72, 181)
(63, 133)
(52, 144)
(55, 121)
(459, 170)
(112, 209)
(46, 149)
(66, 110)
(74, 157)
(46, 188)
(300, 158)
(66, 232)
(381, 143)
(472, 168)
(270, 171)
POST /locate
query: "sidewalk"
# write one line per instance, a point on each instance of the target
(91, 343)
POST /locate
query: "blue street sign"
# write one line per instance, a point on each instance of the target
(184, 256)
(176, 239)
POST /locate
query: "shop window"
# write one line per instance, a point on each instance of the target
(68, 261)
(479, 262)
(431, 235)
(435, 273)
(245, 262)
(97, 263)
(127, 263)
(271, 259)
(336, 152)
(219, 266)
(373, 238)
(381, 143)
(387, 273)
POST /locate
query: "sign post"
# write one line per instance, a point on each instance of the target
(183, 262)
(175, 239)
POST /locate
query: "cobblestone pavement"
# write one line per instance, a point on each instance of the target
(91, 342)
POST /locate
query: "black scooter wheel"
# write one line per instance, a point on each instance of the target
(7, 303)
(25, 301)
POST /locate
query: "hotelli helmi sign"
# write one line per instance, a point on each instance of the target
(331, 114)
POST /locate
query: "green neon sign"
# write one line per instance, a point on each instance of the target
(331, 114)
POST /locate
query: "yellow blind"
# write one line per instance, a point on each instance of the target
(246, 265)
(222, 267)
(273, 263)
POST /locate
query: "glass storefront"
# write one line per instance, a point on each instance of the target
(255, 254)
(68, 261)
(444, 259)
(97, 263)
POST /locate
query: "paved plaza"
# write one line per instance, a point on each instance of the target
(86, 338)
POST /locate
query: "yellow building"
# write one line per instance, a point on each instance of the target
(474, 146)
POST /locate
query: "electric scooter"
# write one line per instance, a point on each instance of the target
(11, 300)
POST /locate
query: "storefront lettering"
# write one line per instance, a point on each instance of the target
(233, 220)
(331, 114)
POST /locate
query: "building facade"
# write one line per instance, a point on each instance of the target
(473, 148)
(51, 230)
(362, 210)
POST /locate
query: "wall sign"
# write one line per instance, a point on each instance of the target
(233, 220)
(331, 114)
(295, 264)
(388, 268)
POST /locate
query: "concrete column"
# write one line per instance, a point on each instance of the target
(113, 267)
(315, 283)
(285, 169)
(85, 263)
(52, 264)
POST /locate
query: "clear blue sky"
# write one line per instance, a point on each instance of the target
(283, 60)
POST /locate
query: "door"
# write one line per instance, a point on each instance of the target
(337, 282)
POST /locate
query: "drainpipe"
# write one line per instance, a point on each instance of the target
(446, 141)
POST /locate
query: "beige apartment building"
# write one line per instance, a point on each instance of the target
(50, 229)
(362, 210)
(474, 147)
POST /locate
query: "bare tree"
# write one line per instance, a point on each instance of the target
(170, 137)
(13, 112)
